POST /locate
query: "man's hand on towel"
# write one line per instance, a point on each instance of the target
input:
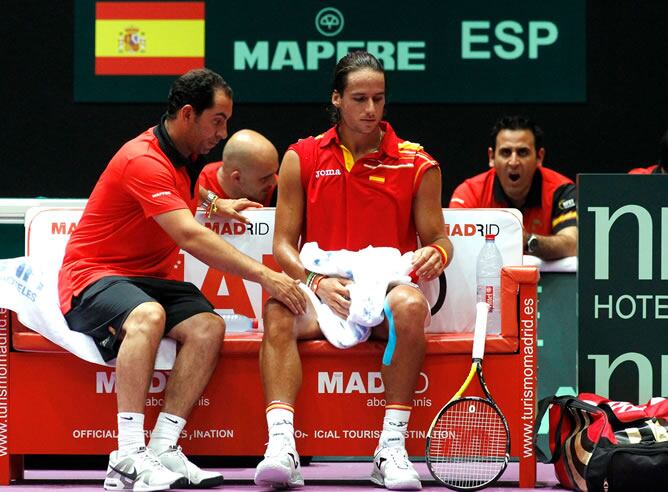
(333, 292)
(427, 263)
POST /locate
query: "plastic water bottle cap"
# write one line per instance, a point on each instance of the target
(490, 236)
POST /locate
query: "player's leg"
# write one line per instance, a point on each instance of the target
(191, 321)
(280, 363)
(281, 369)
(409, 311)
(128, 324)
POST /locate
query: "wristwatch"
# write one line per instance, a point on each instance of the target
(208, 201)
(532, 244)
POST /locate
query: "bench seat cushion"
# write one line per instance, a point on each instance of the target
(249, 343)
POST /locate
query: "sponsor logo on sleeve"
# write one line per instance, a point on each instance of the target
(566, 204)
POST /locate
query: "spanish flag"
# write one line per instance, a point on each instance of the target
(148, 38)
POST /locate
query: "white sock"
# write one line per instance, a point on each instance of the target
(280, 422)
(130, 431)
(167, 431)
(395, 425)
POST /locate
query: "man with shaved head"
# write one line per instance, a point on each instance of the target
(248, 170)
(518, 179)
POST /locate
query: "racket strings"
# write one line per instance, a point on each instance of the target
(468, 444)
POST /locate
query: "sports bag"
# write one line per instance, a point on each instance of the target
(607, 446)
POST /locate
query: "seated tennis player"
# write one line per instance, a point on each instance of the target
(356, 185)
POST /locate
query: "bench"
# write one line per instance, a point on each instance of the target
(340, 406)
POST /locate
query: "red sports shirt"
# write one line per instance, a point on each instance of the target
(655, 169)
(208, 179)
(117, 234)
(352, 205)
(550, 205)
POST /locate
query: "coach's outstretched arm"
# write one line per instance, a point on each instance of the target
(206, 246)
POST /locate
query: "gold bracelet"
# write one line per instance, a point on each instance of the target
(213, 208)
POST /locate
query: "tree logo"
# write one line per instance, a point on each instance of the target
(329, 21)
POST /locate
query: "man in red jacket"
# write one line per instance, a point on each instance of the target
(518, 179)
(662, 166)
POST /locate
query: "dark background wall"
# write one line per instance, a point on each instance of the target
(54, 147)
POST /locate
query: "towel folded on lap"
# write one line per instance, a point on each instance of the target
(373, 271)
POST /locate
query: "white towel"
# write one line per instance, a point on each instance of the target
(339, 332)
(372, 271)
(32, 293)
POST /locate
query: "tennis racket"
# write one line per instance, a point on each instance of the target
(468, 441)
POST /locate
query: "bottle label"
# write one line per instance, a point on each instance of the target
(489, 297)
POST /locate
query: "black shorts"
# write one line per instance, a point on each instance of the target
(110, 300)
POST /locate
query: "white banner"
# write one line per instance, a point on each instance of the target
(47, 231)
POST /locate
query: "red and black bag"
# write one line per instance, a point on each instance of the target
(608, 446)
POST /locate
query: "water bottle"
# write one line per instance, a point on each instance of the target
(237, 323)
(488, 282)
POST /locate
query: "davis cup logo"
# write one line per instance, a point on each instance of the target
(329, 22)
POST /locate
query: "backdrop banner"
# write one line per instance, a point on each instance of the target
(449, 51)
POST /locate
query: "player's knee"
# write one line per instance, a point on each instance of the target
(146, 320)
(409, 309)
(208, 333)
(408, 302)
(279, 323)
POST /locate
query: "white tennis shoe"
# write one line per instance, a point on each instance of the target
(393, 470)
(280, 467)
(140, 470)
(174, 459)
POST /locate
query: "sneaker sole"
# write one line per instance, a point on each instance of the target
(278, 478)
(207, 483)
(408, 485)
(111, 484)
(115, 484)
(412, 485)
(377, 480)
(179, 484)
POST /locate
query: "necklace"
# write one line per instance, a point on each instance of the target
(370, 151)
(380, 140)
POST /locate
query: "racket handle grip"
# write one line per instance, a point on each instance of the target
(482, 308)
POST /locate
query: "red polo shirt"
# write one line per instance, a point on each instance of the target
(117, 234)
(352, 205)
(550, 205)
